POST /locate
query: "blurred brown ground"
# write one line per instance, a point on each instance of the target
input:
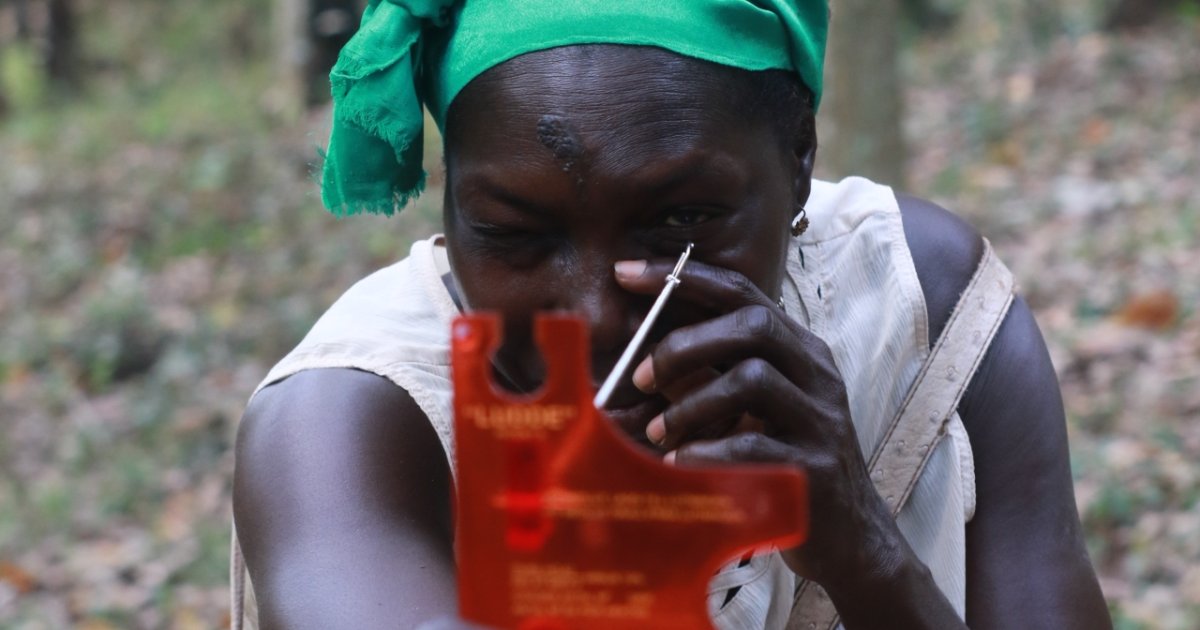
(161, 245)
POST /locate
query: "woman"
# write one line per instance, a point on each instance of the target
(586, 143)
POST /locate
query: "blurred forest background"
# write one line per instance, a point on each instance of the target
(161, 245)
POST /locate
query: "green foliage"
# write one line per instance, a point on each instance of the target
(987, 122)
(22, 81)
(1123, 622)
(130, 485)
(52, 503)
(211, 566)
(117, 337)
(1117, 505)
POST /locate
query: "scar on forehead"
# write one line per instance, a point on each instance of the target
(555, 133)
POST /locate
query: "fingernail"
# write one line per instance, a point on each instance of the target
(643, 376)
(657, 429)
(630, 269)
(669, 458)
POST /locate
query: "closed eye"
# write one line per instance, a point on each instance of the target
(508, 230)
(514, 246)
(491, 230)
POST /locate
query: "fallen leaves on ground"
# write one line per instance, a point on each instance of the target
(161, 246)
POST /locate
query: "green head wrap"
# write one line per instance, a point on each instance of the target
(410, 53)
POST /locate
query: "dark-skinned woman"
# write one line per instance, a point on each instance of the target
(869, 338)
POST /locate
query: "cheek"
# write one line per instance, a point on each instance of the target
(772, 254)
(756, 248)
(493, 286)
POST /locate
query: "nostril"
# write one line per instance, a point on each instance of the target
(517, 366)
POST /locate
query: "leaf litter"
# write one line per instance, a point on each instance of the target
(150, 274)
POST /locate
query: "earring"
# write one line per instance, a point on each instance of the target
(800, 223)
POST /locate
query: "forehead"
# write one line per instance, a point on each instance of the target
(599, 106)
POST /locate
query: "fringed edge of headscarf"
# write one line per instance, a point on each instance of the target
(386, 206)
(395, 129)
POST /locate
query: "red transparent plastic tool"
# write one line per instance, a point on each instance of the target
(562, 523)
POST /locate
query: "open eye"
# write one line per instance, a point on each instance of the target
(686, 217)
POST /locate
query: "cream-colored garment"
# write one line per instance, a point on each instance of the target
(851, 280)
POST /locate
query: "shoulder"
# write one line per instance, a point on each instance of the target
(315, 422)
(341, 459)
(312, 403)
(945, 251)
(1025, 548)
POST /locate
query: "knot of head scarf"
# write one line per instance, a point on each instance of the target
(409, 54)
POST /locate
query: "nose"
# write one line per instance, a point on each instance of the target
(610, 312)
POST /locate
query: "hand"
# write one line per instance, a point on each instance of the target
(776, 396)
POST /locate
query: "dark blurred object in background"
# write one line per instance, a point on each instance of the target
(1137, 13)
(929, 15)
(331, 23)
(310, 34)
(51, 27)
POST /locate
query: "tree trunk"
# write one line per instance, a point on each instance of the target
(862, 111)
(331, 24)
(309, 36)
(24, 32)
(62, 45)
(291, 52)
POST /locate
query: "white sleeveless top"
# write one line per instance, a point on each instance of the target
(850, 280)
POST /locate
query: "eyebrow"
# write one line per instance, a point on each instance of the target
(656, 178)
(484, 185)
(675, 173)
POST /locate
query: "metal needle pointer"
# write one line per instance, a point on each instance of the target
(639, 337)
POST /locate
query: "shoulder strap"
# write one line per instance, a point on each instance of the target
(237, 582)
(920, 423)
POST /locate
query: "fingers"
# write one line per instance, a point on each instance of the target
(752, 331)
(679, 387)
(740, 448)
(746, 323)
(718, 408)
(773, 373)
(715, 288)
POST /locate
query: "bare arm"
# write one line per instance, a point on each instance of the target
(1027, 566)
(342, 501)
